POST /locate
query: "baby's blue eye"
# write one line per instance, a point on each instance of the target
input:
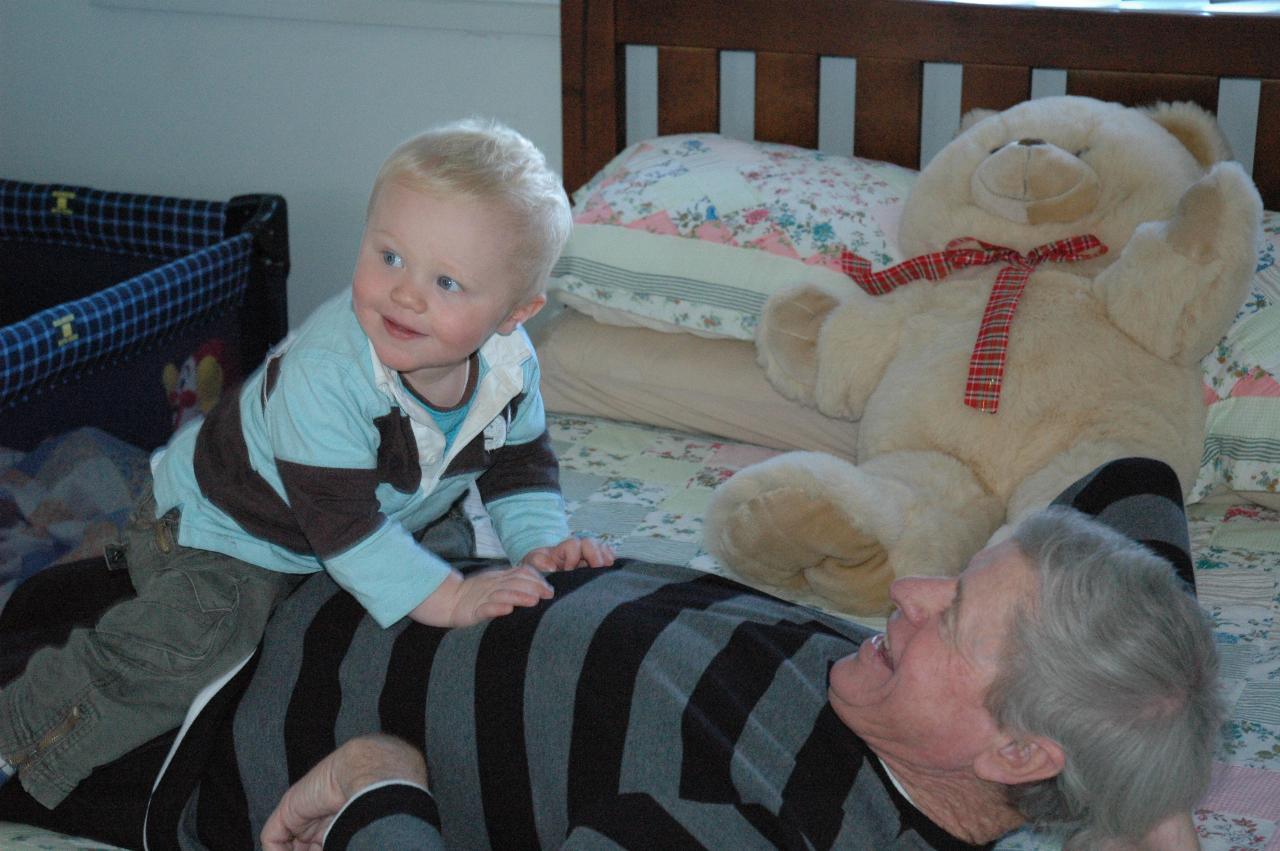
(395, 261)
(444, 282)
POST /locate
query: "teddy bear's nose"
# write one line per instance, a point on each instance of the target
(1030, 142)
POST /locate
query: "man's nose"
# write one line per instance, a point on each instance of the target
(918, 597)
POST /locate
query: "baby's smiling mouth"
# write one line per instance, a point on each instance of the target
(395, 329)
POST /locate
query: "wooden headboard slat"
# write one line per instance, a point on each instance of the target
(1130, 56)
(688, 90)
(592, 78)
(993, 86)
(886, 121)
(573, 87)
(1140, 89)
(786, 98)
(1104, 39)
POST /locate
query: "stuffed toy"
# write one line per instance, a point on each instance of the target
(193, 388)
(1072, 261)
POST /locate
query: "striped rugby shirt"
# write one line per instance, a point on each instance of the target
(644, 706)
(325, 461)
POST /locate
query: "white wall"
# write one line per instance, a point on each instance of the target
(212, 105)
(304, 97)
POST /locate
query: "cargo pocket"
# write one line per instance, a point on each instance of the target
(179, 623)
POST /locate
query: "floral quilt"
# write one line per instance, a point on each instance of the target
(645, 490)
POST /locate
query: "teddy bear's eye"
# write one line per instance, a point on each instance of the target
(1082, 151)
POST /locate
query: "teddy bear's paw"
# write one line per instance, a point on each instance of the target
(1220, 201)
(783, 535)
(787, 341)
(858, 586)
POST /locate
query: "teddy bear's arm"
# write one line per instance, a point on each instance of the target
(829, 352)
(1179, 282)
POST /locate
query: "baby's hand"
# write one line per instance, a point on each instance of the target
(570, 553)
(462, 601)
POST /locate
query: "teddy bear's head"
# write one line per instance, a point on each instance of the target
(1057, 167)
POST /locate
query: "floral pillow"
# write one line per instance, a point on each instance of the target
(750, 218)
(1242, 390)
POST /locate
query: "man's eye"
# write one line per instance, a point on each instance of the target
(444, 282)
(390, 258)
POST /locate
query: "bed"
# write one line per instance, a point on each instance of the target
(676, 216)
(649, 373)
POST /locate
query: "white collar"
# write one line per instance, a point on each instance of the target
(897, 785)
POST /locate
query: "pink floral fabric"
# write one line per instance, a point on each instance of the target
(781, 199)
(1242, 389)
(785, 201)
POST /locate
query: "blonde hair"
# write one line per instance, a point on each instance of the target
(488, 161)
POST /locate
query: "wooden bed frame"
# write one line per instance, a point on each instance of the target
(1131, 57)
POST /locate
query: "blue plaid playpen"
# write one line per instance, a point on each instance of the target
(130, 312)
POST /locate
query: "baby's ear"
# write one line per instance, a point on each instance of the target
(972, 117)
(523, 313)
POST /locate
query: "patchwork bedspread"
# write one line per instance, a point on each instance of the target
(644, 490)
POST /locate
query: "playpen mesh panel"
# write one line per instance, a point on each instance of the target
(115, 321)
(148, 225)
(55, 344)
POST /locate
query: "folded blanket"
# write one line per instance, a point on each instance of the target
(64, 500)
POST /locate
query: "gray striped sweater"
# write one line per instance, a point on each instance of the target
(645, 706)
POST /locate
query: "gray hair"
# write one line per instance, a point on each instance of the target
(486, 160)
(1115, 662)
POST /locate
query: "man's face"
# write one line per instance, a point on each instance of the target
(915, 693)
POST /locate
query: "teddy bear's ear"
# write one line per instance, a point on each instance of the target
(972, 117)
(1195, 127)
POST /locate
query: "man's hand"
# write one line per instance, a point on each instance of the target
(463, 601)
(306, 810)
(569, 554)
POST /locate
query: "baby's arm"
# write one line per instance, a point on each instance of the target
(462, 601)
(570, 553)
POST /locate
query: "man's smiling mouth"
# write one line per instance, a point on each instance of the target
(881, 644)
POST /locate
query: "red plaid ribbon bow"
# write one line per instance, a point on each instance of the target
(986, 364)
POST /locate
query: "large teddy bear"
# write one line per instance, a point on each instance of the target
(1147, 237)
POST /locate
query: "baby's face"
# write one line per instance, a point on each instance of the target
(434, 279)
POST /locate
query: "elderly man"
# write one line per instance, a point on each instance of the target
(1065, 677)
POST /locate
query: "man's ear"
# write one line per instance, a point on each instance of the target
(1020, 759)
(522, 314)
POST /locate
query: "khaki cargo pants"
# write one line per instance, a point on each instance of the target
(132, 677)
